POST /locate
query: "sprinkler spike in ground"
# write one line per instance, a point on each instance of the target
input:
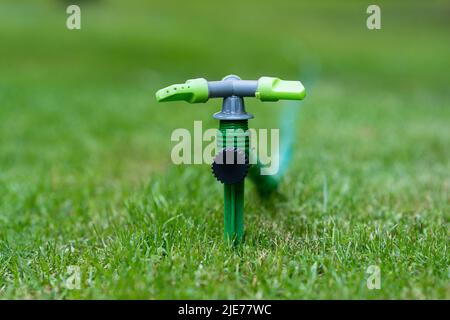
(233, 138)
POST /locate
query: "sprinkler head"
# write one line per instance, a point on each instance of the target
(200, 90)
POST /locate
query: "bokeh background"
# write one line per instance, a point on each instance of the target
(85, 171)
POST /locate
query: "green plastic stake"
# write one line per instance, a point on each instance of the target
(234, 133)
(233, 138)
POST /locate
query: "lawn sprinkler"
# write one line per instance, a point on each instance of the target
(231, 164)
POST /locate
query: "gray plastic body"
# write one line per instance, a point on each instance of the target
(232, 89)
(232, 86)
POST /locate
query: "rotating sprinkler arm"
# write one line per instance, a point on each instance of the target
(234, 145)
(265, 89)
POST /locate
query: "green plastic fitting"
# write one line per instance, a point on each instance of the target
(274, 89)
(192, 91)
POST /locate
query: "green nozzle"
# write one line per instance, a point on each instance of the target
(274, 89)
(193, 91)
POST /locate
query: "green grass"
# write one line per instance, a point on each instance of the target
(86, 177)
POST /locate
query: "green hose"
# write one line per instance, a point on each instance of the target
(265, 184)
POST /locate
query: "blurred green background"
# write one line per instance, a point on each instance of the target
(85, 171)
